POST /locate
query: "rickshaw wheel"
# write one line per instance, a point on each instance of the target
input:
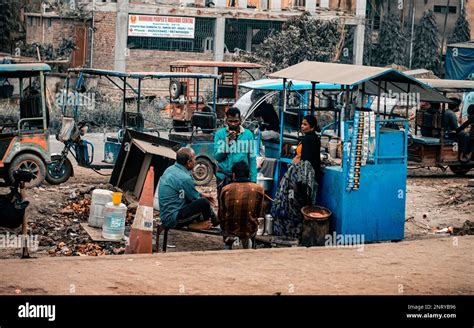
(60, 176)
(460, 169)
(203, 171)
(176, 89)
(32, 163)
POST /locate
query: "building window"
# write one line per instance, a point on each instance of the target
(238, 33)
(300, 3)
(48, 22)
(442, 9)
(232, 3)
(204, 30)
(30, 21)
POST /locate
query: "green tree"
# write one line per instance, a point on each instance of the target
(462, 30)
(301, 38)
(427, 43)
(9, 23)
(391, 48)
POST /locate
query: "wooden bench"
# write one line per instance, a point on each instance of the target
(160, 228)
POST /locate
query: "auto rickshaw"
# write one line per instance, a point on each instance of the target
(441, 151)
(24, 138)
(73, 129)
(184, 91)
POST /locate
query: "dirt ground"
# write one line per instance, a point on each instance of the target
(425, 263)
(441, 266)
(435, 200)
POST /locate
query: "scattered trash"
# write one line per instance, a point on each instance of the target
(409, 218)
(444, 230)
(466, 229)
(72, 195)
(459, 195)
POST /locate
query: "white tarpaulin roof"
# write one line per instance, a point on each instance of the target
(390, 80)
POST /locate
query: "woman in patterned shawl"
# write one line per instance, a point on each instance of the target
(298, 187)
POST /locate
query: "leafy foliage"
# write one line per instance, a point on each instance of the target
(462, 30)
(392, 42)
(427, 44)
(9, 22)
(47, 51)
(301, 38)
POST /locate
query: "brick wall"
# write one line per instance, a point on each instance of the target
(153, 60)
(159, 61)
(59, 29)
(104, 40)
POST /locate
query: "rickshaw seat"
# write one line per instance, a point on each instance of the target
(112, 139)
(430, 141)
(187, 137)
(206, 122)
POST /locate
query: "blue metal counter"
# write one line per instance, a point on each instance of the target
(377, 209)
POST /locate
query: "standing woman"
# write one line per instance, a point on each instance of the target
(299, 186)
(309, 148)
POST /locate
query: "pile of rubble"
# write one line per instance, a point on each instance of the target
(459, 195)
(61, 232)
(89, 249)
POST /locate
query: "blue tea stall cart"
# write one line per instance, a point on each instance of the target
(365, 185)
(270, 91)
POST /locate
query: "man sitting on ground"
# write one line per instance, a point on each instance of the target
(179, 200)
(240, 206)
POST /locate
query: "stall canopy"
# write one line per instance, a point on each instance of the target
(370, 78)
(450, 85)
(294, 85)
(22, 70)
(143, 75)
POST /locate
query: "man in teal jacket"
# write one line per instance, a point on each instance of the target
(231, 145)
(179, 199)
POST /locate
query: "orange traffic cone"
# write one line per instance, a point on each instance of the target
(141, 234)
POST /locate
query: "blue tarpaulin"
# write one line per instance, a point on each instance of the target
(459, 61)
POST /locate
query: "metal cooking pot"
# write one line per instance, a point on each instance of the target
(325, 101)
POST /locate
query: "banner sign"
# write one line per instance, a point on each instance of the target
(161, 26)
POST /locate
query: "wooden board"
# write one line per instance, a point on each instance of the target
(96, 233)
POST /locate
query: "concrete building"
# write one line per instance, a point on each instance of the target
(408, 7)
(138, 35)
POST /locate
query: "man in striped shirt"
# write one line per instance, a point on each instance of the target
(240, 206)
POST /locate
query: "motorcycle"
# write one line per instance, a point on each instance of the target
(71, 134)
